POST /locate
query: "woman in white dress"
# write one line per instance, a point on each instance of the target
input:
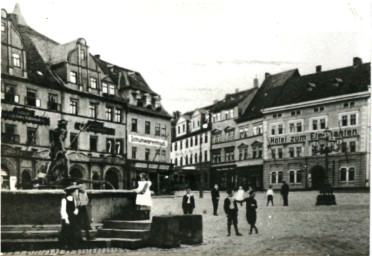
(143, 200)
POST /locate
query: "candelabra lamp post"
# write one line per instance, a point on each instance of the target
(328, 144)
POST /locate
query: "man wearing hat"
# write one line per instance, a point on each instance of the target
(70, 235)
(231, 210)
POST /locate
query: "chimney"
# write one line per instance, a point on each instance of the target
(357, 62)
(318, 69)
(97, 56)
(236, 90)
(255, 82)
(267, 75)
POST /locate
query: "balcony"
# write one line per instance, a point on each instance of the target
(10, 97)
(31, 101)
(9, 138)
(54, 106)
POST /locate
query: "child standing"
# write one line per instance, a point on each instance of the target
(188, 202)
(251, 211)
(270, 196)
(239, 196)
(231, 210)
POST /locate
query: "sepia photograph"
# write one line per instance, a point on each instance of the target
(185, 127)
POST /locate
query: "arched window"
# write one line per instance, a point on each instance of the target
(82, 55)
(16, 60)
(4, 179)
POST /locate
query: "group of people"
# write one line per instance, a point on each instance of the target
(230, 205)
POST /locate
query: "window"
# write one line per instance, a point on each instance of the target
(93, 110)
(176, 161)
(111, 89)
(347, 174)
(157, 130)
(273, 128)
(348, 119)
(53, 102)
(216, 156)
(205, 156)
(280, 129)
(344, 120)
(74, 141)
(206, 138)
(93, 83)
(191, 142)
(229, 154)
(31, 98)
(11, 94)
(109, 113)
(196, 140)
(175, 146)
(315, 125)
(2, 27)
(291, 152)
(353, 119)
(255, 154)
(163, 130)
(230, 135)
(93, 143)
(196, 157)
(298, 151)
(104, 87)
(118, 115)
(134, 125)
(260, 152)
(245, 153)
(134, 152)
(181, 161)
(163, 155)
(314, 150)
(276, 177)
(318, 123)
(147, 127)
(187, 143)
(82, 55)
(183, 128)
(201, 139)
(181, 144)
(322, 123)
(352, 146)
(273, 153)
(31, 136)
(179, 129)
(299, 126)
(110, 146)
(292, 128)
(73, 77)
(74, 106)
(119, 145)
(280, 153)
(295, 177)
(191, 159)
(147, 154)
(16, 60)
(241, 151)
(186, 160)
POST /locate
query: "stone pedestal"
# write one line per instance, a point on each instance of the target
(164, 232)
(190, 229)
(326, 200)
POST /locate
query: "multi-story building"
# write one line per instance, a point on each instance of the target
(249, 142)
(319, 130)
(191, 150)
(148, 128)
(224, 136)
(43, 82)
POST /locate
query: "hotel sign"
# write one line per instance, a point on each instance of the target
(290, 139)
(135, 139)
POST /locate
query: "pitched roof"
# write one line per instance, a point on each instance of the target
(232, 100)
(37, 70)
(266, 95)
(325, 84)
(125, 78)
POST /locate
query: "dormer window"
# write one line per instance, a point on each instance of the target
(2, 27)
(311, 86)
(93, 83)
(73, 76)
(111, 89)
(104, 88)
(16, 60)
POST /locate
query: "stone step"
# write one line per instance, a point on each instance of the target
(122, 233)
(131, 214)
(47, 244)
(40, 227)
(126, 224)
(35, 234)
(127, 243)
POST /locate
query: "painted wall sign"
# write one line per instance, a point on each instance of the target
(96, 127)
(25, 116)
(135, 139)
(288, 139)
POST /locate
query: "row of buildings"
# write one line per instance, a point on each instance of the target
(117, 126)
(302, 129)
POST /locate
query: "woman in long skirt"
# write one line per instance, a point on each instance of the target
(70, 235)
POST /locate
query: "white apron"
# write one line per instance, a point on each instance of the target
(144, 199)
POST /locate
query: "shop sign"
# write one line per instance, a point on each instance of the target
(96, 127)
(147, 141)
(25, 116)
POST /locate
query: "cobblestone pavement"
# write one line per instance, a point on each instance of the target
(302, 228)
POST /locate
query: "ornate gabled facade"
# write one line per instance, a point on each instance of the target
(44, 81)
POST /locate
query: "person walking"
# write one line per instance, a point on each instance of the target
(188, 202)
(231, 210)
(284, 192)
(82, 203)
(251, 206)
(270, 196)
(70, 235)
(215, 199)
(143, 200)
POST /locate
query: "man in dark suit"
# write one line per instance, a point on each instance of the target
(215, 199)
(284, 191)
(231, 210)
(188, 202)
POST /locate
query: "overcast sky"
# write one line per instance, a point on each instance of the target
(192, 52)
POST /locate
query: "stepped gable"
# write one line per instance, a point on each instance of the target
(325, 84)
(231, 100)
(37, 70)
(267, 94)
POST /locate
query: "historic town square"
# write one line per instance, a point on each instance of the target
(185, 127)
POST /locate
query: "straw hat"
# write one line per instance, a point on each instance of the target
(72, 187)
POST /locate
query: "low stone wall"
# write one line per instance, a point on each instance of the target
(42, 207)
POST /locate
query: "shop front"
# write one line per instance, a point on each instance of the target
(225, 176)
(250, 176)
